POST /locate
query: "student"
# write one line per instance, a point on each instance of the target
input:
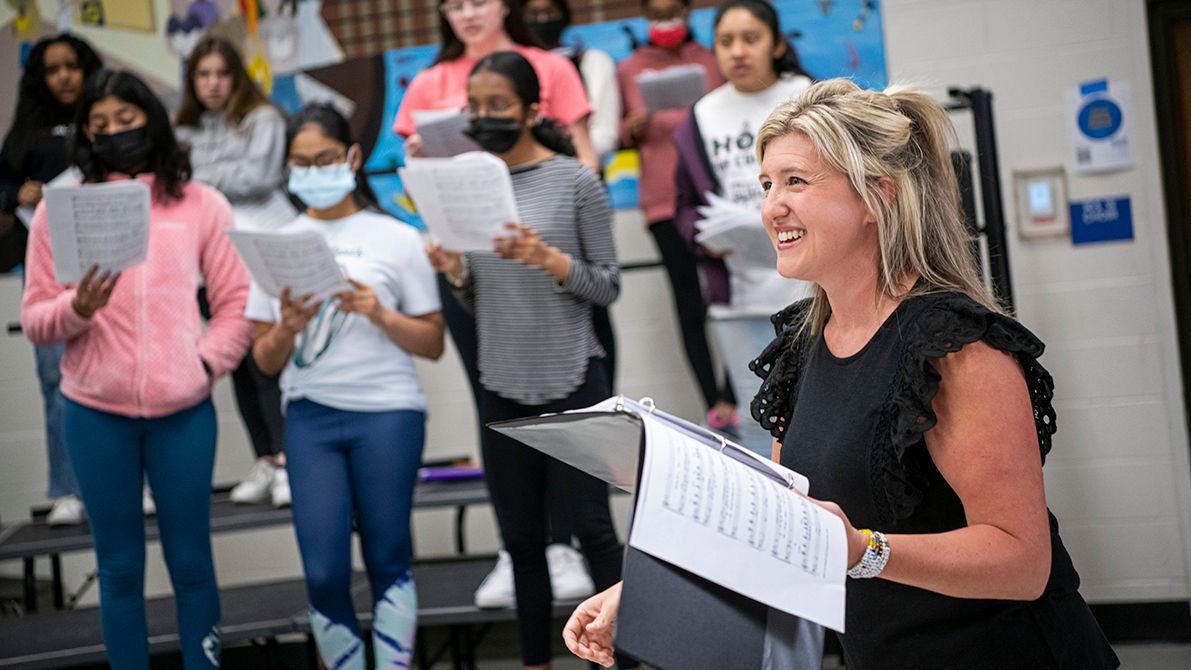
(355, 416)
(670, 44)
(717, 154)
(532, 297)
(35, 151)
(912, 402)
(471, 30)
(139, 367)
(546, 20)
(237, 145)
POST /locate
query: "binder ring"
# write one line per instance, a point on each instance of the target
(723, 443)
(648, 404)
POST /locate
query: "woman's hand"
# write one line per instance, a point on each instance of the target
(295, 314)
(449, 263)
(30, 193)
(588, 633)
(413, 145)
(93, 292)
(529, 248)
(361, 301)
(857, 541)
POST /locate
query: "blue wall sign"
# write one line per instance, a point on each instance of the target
(1101, 220)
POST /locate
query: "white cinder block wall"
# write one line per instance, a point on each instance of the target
(1117, 477)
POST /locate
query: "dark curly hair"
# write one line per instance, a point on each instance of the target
(37, 110)
(166, 160)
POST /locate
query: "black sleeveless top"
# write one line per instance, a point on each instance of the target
(854, 426)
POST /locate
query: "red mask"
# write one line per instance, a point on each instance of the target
(667, 34)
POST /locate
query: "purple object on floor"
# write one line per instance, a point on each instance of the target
(450, 473)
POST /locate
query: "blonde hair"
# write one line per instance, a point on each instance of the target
(905, 136)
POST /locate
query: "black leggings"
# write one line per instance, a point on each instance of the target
(517, 477)
(682, 270)
(462, 327)
(258, 397)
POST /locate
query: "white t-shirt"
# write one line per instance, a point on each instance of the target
(342, 360)
(728, 122)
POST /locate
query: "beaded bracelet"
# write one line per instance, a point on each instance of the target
(876, 556)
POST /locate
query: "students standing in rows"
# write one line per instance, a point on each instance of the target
(35, 152)
(471, 30)
(532, 297)
(139, 367)
(717, 154)
(670, 44)
(354, 412)
(237, 145)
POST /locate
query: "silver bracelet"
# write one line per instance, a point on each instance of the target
(875, 558)
(464, 276)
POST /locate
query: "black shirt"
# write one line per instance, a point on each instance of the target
(855, 429)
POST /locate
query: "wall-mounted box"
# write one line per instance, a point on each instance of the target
(1041, 196)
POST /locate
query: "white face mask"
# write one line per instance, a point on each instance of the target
(323, 187)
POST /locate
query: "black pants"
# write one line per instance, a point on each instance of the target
(462, 327)
(258, 397)
(682, 270)
(517, 478)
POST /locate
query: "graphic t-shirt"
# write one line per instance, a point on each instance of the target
(343, 360)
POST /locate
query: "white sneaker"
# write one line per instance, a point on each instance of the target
(569, 578)
(255, 486)
(67, 511)
(279, 491)
(147, 505)
(496, 591)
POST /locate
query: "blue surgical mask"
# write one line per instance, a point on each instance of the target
(323, 187)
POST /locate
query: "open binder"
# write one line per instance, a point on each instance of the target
(695, 606)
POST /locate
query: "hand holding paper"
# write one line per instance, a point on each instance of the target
(299, 261)
(464, 200)
(104, 225)
(736, 232)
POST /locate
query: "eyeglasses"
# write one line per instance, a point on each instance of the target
(456, 6)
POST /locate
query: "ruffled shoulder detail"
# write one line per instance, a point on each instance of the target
(943, 325)
(778, 366)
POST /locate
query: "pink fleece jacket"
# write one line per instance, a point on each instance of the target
(142, 354)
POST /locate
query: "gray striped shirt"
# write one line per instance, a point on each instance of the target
(536, 335)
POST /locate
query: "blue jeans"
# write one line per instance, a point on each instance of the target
(112, 454)
(363, 465)
(62, 479)
(741, 339)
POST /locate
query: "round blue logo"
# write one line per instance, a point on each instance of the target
(1100, 119)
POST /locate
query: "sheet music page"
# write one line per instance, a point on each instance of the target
(735, 230)
(676, 87)
(465, 201)
(97, 224)
(442, 135)
(300, 260)
(726, 522)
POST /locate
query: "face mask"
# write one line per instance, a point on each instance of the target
(323, 187)
(497, 134)
(124, 151)
(547, 32)
(667, 34)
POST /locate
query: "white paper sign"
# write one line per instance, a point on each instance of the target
(465, 201)
(97, 224)
(442, 134)
(1098, 119)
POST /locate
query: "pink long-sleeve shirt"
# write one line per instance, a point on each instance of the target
(142, 354)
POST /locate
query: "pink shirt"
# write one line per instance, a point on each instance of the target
(444, 86)
(658, 157)
(142, 354)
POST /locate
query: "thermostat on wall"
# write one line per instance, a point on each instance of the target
(1041, 203)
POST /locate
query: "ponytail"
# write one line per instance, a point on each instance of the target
(549, 134)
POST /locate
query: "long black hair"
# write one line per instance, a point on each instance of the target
(453, 47)
(520, 73)
(166, 160)
(37, 110)
(335, 126)
(788, 62)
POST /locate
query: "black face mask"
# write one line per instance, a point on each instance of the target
(124, 151)
(548, 33)
(497, 134)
